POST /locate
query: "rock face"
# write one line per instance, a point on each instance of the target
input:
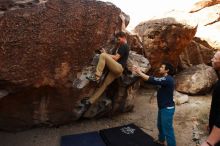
(164, 39)
(204, 3)
(45, 46)
(207, 13)
(6, 5)
(203, 53)
(196, 80)
(38, 43)
(135, 43)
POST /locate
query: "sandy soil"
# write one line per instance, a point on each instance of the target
(187, 115)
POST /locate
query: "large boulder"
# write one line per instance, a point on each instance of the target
(45, 46)
(165, 38)
(207, 14)
(202, 4)
(39, 43)
(196, 80)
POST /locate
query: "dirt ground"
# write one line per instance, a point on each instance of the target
(189, 122)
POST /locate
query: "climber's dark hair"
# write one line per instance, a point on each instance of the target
(120, 34)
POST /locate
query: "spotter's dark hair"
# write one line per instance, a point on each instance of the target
(169, 67)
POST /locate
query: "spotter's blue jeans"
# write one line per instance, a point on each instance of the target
(165, 125)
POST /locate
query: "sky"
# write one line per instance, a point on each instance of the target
(142, 10)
